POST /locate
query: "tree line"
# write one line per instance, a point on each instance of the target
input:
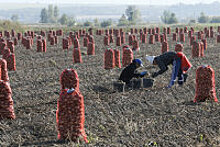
(131, 16)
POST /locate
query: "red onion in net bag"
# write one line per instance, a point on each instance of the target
(6, 102)
(205, 84)
(69, 79)
(109, 59)
(70, 115)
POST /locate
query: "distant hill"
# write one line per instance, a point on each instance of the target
(30, 13)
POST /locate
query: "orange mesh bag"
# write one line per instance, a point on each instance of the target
(205, 84)
(70, 115)
(6, 102)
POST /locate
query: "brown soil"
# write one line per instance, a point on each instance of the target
(134, 118)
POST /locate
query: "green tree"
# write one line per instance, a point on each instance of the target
(172, 19)
(169, 18)
(203, 18)
(215, 19)
(71, 21)
(106, 23)
(64, 19)
(123, 21)
(87, 24)
(165, 17)
(96, 22)
(56, 13)
(51, 14)
(133, 14)
(44, 16)
(191, 21)
(14, 17)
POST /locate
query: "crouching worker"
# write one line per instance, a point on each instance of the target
(131, 71)
(180, 66)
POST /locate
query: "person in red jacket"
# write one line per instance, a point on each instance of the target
(180, 65)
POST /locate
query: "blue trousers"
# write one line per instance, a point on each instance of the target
(177, 72)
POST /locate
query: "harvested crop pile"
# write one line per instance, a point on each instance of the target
(136, 45)
(4, 70)
(69, 79)
(91, 39)
(59, 32)
(6, 102)
(196, 49)
(76, 43)
(91, 49)
(132, 30)
(202, 49)
(205, 43)
(117, 58)
(199, 35)
(11, 46)
(179, 47)
(127, 57)
(52, 40)
(157, 30)
(174, 36)
(56, 39)
(130, 39)
(182, 37)
(165, 47)
(192, 39)
(122, 38)
(106, 40)
(157, 37)
(2, 47)
(207, 34)
(144, 38)
(205, 84)
(39, 46)
(66, 43)
(111, 39)
(109, 59)
(218, 38)
(168, 30)
(150, 31)
(11, 62)
(151, 39)
(162, 38)
(177, 30)
(165, 30)
(19, 36)
(85, 41)
(185, 30)
(77, 58)
(211, 34)
(118, 41)
(15, 41)
(44, 45)
(70, 115)
(6, 54)
(28, 42)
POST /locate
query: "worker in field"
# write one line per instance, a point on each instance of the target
(180, 65)
(131, 71)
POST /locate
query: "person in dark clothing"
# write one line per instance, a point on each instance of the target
(162, 61)
(178, 60)
(131, 71)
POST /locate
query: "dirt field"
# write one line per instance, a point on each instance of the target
(165, 117)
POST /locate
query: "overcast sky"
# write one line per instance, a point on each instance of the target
(152, 2)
